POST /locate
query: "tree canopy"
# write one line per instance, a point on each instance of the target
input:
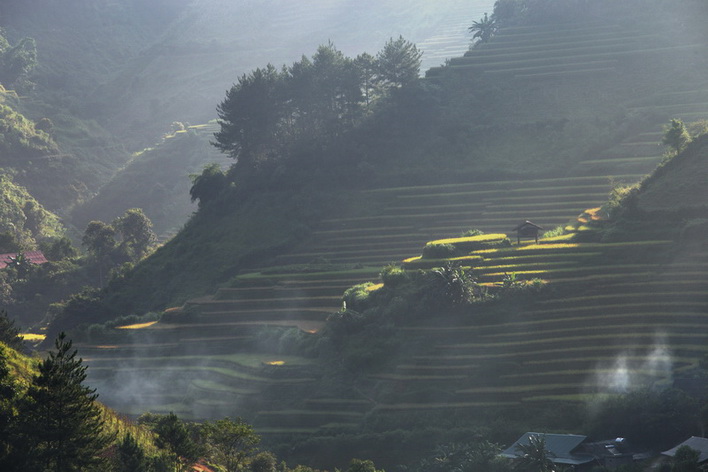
(271, 111)
(17, 62)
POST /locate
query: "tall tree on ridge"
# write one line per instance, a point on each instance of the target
(251, 117)
(676, 136)
(398, 63)
(483, 29)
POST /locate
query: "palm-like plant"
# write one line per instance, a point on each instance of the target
(453, 283)
(534, 457)
(484, 29)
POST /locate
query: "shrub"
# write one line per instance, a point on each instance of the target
(450, 285)
(557, 231)
(439, 251)
(356, 297)
(393, 276)
(622, 197)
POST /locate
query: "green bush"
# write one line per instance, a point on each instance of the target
(393, 276)
(557, 231)
(356, 297)
(440, 251)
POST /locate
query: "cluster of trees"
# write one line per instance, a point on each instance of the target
(41, 293)
(23, 221)
(127, 239)
(317, 98)
(17, 62)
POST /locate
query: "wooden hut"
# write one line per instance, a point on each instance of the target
(527, 230)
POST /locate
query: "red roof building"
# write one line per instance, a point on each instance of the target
(34, 257)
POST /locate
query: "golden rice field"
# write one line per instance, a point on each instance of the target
(32, 337)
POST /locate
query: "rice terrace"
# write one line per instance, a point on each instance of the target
(410, 257)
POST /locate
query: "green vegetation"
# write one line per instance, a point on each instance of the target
(23, 221)
(59, 426)
(17, 62)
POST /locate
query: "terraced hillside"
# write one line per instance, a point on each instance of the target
(626, 312)
(623, 319)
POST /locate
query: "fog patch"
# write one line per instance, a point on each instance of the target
(630, 371)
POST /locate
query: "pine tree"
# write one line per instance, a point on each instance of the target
(130, 457)
(9, 334)
(8, 397)
(60, 423)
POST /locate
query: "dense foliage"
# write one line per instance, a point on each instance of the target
(273, 115)
(17, 62)
(23, 221)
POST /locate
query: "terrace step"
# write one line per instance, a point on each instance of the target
(339, 404)
(305, 418)
(281, 290)
(265, 303)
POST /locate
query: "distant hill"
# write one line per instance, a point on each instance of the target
(158, 181)
(512, 109)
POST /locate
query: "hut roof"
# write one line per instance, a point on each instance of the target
(694, 442)
(527, 224)
(562, 448)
